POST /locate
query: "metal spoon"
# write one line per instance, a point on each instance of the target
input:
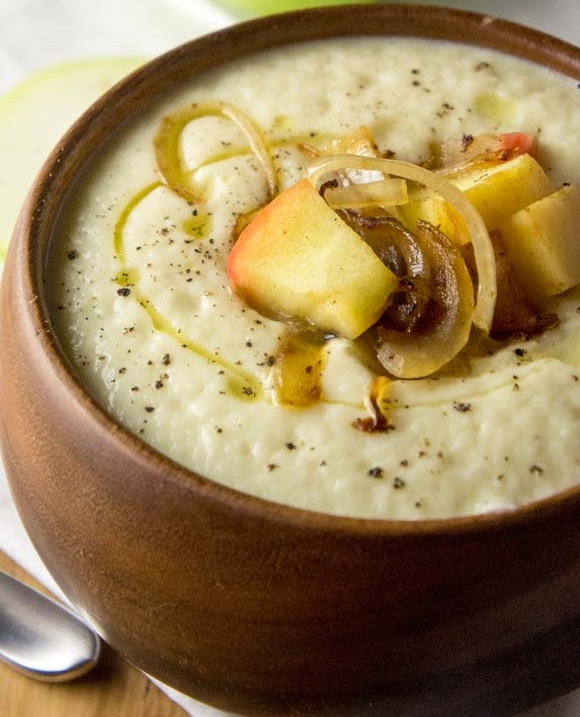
(41, 638)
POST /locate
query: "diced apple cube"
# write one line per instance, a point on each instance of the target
(500, 190)
(436, 211)
(543, 243)
(298, 259)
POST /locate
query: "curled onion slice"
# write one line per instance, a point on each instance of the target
(482, 246)
(168, 155)
(444, 326)
(388, 192)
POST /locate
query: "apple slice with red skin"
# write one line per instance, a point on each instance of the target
(299, 260)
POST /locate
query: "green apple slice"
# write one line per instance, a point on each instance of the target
(33, 117)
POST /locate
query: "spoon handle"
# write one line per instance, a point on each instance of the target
(41, 638)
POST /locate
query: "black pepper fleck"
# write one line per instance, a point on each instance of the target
(461, 407)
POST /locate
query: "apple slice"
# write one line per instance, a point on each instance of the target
(298, 260)
(500, 190)
(438, 212)
(33, 117)
(542, 243)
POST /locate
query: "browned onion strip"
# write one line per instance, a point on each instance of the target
(403, 253)
(482, 247)
(442, 335)
(168, 155)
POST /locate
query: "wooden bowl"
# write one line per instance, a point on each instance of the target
(247, 605)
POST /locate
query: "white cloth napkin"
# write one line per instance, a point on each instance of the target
(35, 34)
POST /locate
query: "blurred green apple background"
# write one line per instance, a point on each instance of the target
(33, 117)
(248, 8)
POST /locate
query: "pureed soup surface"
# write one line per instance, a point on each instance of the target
(142, 303)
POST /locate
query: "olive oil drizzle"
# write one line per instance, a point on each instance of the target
(119, 231)
(298, 369)
(240, 383)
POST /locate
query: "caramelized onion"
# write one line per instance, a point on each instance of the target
(360, 142)
(402, 252)
(482, 247)
(478, 149)
(444, 326)
(168, 155)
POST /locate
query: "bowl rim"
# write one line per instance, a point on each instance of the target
(39, 217)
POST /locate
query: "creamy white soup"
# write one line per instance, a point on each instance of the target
(142, 303)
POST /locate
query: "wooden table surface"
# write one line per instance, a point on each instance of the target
(112, 689)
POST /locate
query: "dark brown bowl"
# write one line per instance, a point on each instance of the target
(247, 605)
